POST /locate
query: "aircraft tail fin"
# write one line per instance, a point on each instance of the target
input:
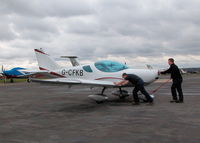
(45, 62)
(73, 60)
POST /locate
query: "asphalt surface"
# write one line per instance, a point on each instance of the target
(34, 113)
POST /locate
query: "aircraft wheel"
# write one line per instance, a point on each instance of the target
(99, 102)
(98, 98)
(122, 94)
(28, 80)
(122, 97)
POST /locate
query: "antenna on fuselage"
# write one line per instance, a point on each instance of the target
(41, 50)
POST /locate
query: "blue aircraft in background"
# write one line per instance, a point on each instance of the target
(17, 72)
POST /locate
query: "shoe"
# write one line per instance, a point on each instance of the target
(135, 103)
(150, 103)
(173, 101)
(178, 101)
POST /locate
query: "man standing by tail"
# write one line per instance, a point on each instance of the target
(139, 86)
(177, 81)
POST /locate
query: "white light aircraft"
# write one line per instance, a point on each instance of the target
(98, 74)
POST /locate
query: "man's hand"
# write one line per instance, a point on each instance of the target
(121, 83)
(117, 83)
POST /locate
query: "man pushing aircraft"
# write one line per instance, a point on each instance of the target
(139, 86)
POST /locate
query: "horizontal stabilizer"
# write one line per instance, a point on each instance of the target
(149, 67)
(73, 60)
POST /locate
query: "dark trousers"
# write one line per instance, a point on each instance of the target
(176, 87)
(140, 87)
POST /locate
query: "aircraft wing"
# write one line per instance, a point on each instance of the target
(39, 74)
(69, 81)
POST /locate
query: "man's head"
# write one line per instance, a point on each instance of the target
(170, 61)
(124, 75)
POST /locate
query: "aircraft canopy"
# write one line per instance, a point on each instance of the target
(110, 66)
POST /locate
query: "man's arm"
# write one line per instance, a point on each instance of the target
(123, 82)
(166, 71)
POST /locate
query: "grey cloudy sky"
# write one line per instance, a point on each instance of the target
(138, 32)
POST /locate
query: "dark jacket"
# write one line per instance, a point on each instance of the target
(175, 72)
(134, 79)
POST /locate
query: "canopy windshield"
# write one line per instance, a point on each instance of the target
(110, 66)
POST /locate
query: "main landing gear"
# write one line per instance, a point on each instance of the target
(122, 94)
(101, 98)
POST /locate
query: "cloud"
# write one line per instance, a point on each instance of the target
(40, 8)
(138, 31)
(6, 29)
